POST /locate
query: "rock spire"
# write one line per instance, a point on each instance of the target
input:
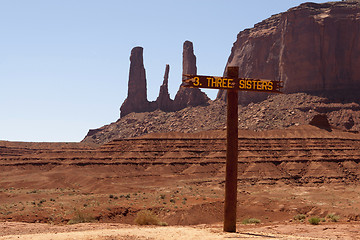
(189, 96)
(136, 100)
(164, 101)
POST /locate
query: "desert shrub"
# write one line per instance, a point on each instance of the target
(314, 220)
(147, 217)
(251, 221)
(81, 217)
(163, 224)
(300, 217)
(333, 217)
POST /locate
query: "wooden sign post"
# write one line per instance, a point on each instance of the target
(232, 83)
(231, 155)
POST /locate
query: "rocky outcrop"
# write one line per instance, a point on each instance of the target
(279, 111)
(136, 100)
(312, 48)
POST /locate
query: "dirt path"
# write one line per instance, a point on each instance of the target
(27, 231)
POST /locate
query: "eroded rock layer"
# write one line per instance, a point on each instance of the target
(299, 154)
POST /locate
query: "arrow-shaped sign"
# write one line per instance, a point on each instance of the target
(240, 84)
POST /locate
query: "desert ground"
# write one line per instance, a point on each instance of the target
(88, 191)
(103, 231)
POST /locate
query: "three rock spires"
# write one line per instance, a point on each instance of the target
(136, 100)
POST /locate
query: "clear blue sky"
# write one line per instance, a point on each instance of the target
(64, 63)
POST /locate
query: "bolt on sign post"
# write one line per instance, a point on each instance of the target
(232, 83)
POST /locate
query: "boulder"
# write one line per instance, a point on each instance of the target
(321, 121)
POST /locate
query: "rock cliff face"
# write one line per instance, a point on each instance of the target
(312, 48)
(136, 100)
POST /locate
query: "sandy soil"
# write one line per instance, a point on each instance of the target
(87, 231)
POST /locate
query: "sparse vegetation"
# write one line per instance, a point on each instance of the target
(314, 220)
(333, 218)
(299, 217)
(251, 221)
(147, 217)
(81, 217)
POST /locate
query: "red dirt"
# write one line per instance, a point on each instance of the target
(180, 177)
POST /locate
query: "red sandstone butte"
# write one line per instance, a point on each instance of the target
(312, 48)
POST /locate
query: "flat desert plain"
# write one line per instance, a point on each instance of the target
(82, 191)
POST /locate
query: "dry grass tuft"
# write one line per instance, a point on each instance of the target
(147, 217)
(81, 217)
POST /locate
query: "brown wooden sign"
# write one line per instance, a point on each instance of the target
(240, 84)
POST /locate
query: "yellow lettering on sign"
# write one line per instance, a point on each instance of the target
(197, 81)
(213, 82)
(253, 84)
(218, 82)
(246, 84)
(229, 83)
(209, 79)
(259, 85)
(265, 85)
(242, 84)
(223, 82)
